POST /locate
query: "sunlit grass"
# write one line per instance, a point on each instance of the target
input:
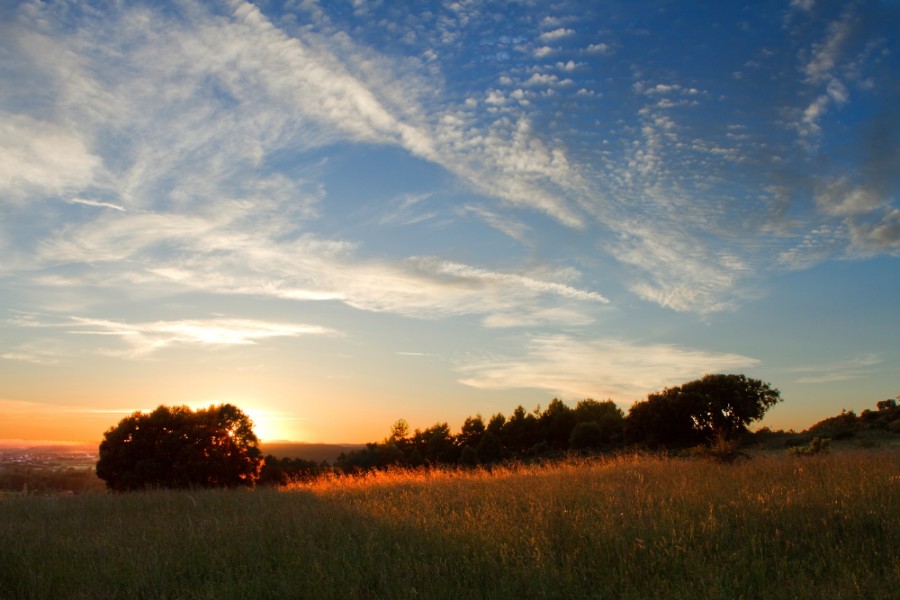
(630, 527)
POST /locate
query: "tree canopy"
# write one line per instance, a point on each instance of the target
(175, 447)
(700, 410)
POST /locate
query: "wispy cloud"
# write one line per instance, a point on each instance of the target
(43, 158)
(146, 337)
(506, 225)
(408, 210)
(222, 253)
(846, 370)
(577, 368)
(824, 56)
(139, 339)
(42, 351)
(95, 203)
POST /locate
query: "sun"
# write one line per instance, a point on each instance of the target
(268, 424)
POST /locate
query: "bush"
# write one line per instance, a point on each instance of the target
(720, 450)
(816, 446)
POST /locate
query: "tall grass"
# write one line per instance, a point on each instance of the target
(631, 527)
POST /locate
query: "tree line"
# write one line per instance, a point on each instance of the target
(175, 447)
(696, 413)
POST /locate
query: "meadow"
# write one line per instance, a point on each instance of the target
(776, 526)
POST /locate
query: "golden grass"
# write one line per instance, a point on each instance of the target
(626, 527)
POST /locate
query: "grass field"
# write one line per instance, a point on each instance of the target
(824, 526)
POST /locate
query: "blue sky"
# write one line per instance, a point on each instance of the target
(337, 214)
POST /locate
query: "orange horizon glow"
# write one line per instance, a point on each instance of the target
(36, 423)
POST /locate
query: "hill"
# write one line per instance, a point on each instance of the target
(313, 452)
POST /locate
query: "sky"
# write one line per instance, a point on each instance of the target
(338, 214)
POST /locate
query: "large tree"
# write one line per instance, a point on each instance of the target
(698, 411)
(175, 447)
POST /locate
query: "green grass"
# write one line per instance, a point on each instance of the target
(635, 527)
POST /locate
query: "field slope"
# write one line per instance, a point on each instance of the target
(631, 527)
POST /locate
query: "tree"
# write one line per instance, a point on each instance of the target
(468, 457)
(886, 404)
(436, 444)
(586, 435)
(471, 433)
(557, 422)
(175, 447)
(399, 437)
(521, 431)
(490, 449)
(495, 425)
(608, 417)
(698, 411)
(660, 421)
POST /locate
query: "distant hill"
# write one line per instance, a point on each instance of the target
(42, 447)
(313, 452)
(869, 429)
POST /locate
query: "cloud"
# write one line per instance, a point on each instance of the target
(556, 34)
(600, 48)
(95, 203)
(507, 279)
(882, 235)
(814, 247)
(824, 55)
(231, 251)
(621, 370)
(838, 197)
(183, 119)
(197, 104)
(40, 157)
(507, 225)
(41, 351)
(407, 210)
(546, 80)
(846, 370)
(145, 338)
(836, 94)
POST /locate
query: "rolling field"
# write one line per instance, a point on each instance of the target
(632, 527)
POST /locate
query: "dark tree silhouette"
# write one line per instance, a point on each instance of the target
(436, 444)
(471, 433)
(556, 424)
(175, 447)
(282, 471)
(608, 417)
(697, 412)
(586, 436)
(520, 432)
(490, 449)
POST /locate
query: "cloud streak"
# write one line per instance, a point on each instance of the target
(141, 339)
(577, 368)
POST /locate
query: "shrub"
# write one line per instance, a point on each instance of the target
(816, 446)
(720, 450)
